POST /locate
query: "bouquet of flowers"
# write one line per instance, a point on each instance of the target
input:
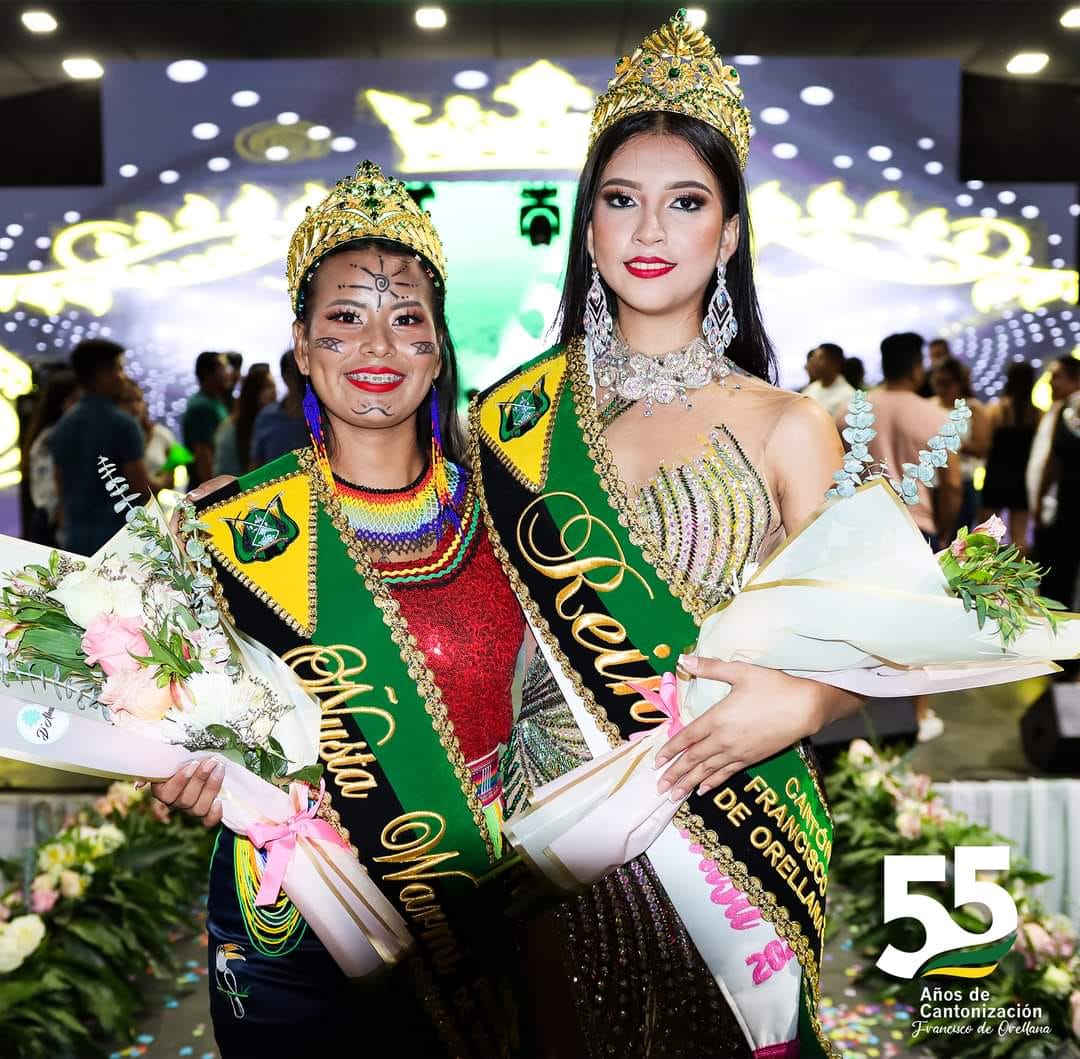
(122, 665)
(856, 599)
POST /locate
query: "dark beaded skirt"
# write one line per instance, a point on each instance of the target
(638, 983)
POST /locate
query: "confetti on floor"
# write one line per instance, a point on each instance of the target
(866, 1030)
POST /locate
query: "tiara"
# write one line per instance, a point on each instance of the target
(677, 69)
(369, 205)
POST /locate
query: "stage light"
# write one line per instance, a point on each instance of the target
(1074, 210)
(1027, 62)
(288, 117)
(697, 16)
(14, 229)
(245, 98)
(926, 143)
(128, 170)
(785, 151)
(72, 216)
(471, 80)
(430, 17)
(539, 215)
(746, 60)
(318, 132)
(82, 68)
(774, 115)
(343, 143)
(1070, 19)
(933, 168)
(185, 71)
(843, 161)
(1006, 198)
(879, 153)
(277, 153)
(205, 130)
(40, 21)
(1053, 239)
(816, 95)
(168, 176)
(892, 173)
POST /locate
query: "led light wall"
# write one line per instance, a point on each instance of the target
(861, 226)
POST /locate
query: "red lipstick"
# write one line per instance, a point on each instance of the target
(648, 267)
(375, 380)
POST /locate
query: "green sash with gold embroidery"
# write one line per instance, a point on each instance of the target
(294, 577)
(594, 588)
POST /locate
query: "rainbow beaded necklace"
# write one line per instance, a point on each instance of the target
(406, 520)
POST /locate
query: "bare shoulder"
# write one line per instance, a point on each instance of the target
(804, 426)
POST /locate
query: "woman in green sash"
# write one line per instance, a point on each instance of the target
(628, 490)
(364, 563)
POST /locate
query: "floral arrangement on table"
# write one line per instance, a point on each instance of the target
(123, 665)
(854, 598)
(84, 914)
(880, 806)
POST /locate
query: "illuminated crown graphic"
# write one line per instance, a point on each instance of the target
(368, 205)
(547, 129)
(677, 69)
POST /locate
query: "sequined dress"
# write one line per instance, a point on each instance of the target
(639, 984)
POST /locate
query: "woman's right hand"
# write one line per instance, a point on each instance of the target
(194, 788)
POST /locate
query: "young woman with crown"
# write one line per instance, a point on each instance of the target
(631, 476)
(364, 563)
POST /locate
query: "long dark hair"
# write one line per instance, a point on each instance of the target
(1019, 382)
(751, 349)
(246, 409)
(956, 371)
(447, 393)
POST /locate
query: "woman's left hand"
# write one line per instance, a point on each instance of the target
(765, 712)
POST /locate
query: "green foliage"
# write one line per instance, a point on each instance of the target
(79, 990)
(999, 584)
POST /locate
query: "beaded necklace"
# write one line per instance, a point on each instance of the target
(405, 520)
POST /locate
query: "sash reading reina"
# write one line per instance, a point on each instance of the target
(610, 620)
(294, 577)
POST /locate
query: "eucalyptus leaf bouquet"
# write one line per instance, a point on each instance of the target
(123, 665)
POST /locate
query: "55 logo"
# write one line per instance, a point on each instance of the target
(949, 950)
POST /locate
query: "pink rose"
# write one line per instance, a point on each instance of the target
(135, 692)
(860, 752)
(1035, 943)
(42, 901)
(992, 527)
(1074, 1013)
(959, 547)
(918, 785)
(909, 824)
(111, 641)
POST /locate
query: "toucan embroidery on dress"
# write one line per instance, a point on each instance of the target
(263, 533)
(225, 976)
(520, 414)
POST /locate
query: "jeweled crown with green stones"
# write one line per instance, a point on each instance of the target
(677, 69)
(369, 205)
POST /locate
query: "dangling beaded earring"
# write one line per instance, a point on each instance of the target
(598, 324)
(313, 415)
(720, 326)
(439, 476)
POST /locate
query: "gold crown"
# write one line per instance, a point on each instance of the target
(677, 69)
(369, 205)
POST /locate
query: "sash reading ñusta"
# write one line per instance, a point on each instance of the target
(294, 577)
(610, 620)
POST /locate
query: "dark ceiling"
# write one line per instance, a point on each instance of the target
(980, 34)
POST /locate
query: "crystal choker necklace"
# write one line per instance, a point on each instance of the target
(406, 520)
(633, 377)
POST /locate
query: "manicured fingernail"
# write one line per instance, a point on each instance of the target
(678, 794)
(689, 663)
(220, 770)
(704, 787)
(190, 770)
(208, 766)
(663, 786)
(660, 762)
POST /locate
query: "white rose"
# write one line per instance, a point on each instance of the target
(27, 932)
(86, 595)
(109, 837)
(11, 956)
(215, 698)
(72, 884)
(871, 779)
(261, 728)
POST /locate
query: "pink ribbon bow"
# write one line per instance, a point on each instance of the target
(666, 700)
(279, 840)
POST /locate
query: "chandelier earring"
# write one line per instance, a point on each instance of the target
(720, 326)
(598, 324)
